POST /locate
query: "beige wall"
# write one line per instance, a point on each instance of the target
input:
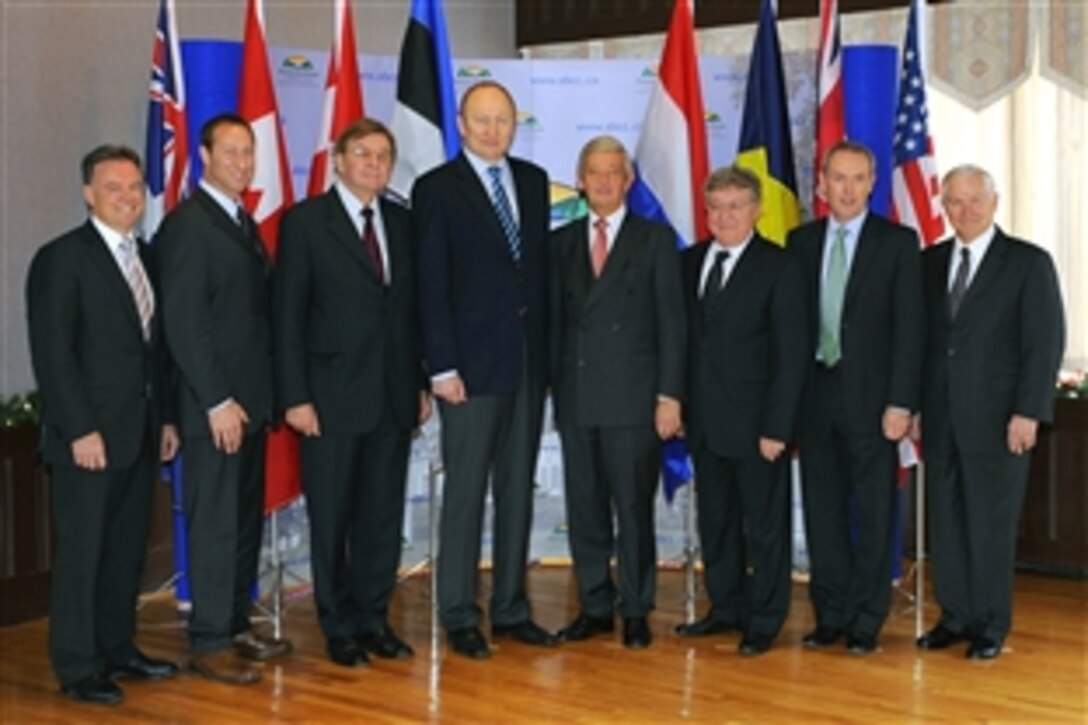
(74, 73)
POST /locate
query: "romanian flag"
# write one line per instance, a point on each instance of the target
(765, 146)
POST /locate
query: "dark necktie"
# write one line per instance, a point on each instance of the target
(959, 283)
(713, 286)
(370, 243)
(245, 223)
(505, 212)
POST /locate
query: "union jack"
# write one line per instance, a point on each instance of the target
(167, 152)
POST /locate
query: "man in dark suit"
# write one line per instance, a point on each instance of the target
(747, 361)
(996, 332)
(618, 333)
(481, 224)
(95, 344)
(864, 275)
(216, 300)
(349, 377)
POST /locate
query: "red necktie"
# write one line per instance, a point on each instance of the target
(600, 245)
(370, 243)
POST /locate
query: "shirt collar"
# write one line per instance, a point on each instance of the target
(853, 225)
(229, 205)
(978, 245)
(734, 251)
(480, 166)
(615, 219)
(112, 237)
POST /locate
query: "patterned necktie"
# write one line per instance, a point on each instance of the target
(370, 243)
(600, 245)
(244, 223)
(501, 203)
(137, 282)
(959, 283)
(713, 286)
(831, 300)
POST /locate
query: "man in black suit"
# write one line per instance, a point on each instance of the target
(864, 275)
(618, 333)
(95, 344)
(747, 361)
(996, 332)
(349, 377)
(481, 226)
(216, 301)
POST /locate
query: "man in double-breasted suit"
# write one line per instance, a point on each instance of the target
(747, 361)
(864, 276)
(618, 343)
(995, 337)
(216, 310)
(96, 348)
(481, 230)
(350, 380)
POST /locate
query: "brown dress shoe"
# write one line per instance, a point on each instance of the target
(254, 646)
(224, 666)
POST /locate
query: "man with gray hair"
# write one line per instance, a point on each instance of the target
(617, 347)
(746, 366)
(995, 337)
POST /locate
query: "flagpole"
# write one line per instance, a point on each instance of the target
(919, 548)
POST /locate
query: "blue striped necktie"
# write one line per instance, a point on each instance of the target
(506, 215)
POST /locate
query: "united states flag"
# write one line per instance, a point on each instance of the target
(167, 151)
(830, 125)
(915, 186)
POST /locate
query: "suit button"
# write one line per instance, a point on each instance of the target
(616, 327)
(951, 352)
(581, 363)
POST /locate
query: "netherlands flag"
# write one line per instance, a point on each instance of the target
(425, 115)
(343, 102)
(167, 151)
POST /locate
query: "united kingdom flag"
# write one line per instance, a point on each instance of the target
(167, 152)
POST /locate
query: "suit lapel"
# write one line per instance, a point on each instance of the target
(103, 260)
(864, 255)
(740, 276)
(230, 227)
(396, 240)
(478, 200)
(628, 241)
(988, 272)
(342, 230)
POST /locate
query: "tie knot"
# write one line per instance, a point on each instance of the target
(495, 172)
(721, 256)
(368, 213)
(965, 254)
(128, 246)
(840, 234)
(601, 225)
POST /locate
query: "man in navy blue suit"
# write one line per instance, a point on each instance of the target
(481, 229)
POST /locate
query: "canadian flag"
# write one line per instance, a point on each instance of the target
(343, 102)
(267, 198)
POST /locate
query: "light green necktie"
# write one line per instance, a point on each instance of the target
(831, 297)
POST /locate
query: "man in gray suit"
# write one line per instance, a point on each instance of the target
(996, 332)
(618, 340)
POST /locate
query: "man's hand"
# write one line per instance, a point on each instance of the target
(303, 418)
(896, 423)
(228, 426)
(771, 449)
(169, 443)
(1021, 434)
(667, 418)
(451, 389)
(89, 451)
(425, 407)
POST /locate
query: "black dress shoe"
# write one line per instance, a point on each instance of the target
(822, 637)
(468, 642)
(384, 643)
(584, 627)
(940, 637)
(142, 667)
(96, 690)
(754, 644)
(984, 648)
(527, 632)
(346, 652)
(706, 626)
(255, 646)
(860, 644)
(636, 633)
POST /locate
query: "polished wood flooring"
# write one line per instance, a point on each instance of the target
(1040, 677)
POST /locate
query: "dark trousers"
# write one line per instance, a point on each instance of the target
(606, 469)
(355, 499)
(101, 520)
(496, 438)
(224, 510)
(744, 515)
(848, 481)
(973, 504)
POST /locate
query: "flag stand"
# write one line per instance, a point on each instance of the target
(691, 552)
(919, 548)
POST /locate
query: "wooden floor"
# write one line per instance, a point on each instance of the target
(1041, 676)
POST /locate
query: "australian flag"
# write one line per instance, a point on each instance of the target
(167, 152)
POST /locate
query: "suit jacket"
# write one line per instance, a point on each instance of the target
(345, 342)
(216, 312)
(617, 342)
(480, 311)
(95, 371)
(1000, 355)
(749, 358)
(882, 322)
